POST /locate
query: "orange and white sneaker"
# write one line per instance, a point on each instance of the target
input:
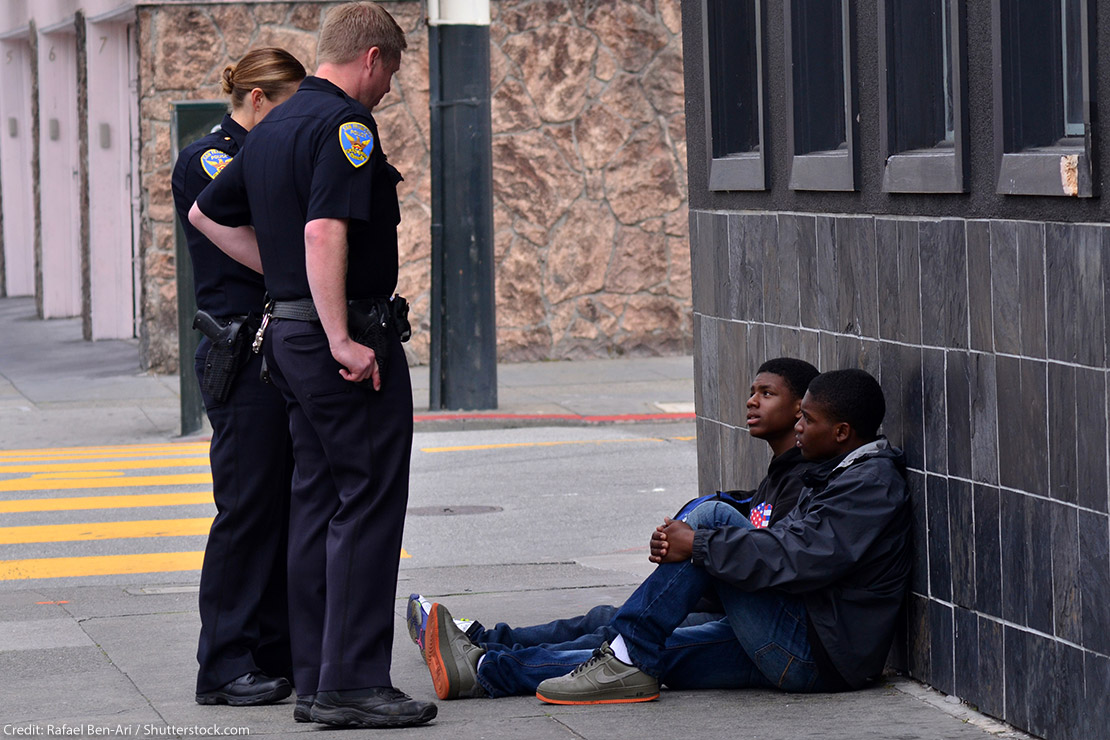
(452, 658)
(603, 679)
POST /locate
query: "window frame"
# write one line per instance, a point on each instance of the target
(1038, 170)
(833, 170)
(744, 170)
(939, 169)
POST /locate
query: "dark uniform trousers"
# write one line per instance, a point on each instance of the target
(243, 597)
(352, 446)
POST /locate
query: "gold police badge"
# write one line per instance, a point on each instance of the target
(357, 142)
(213, 161)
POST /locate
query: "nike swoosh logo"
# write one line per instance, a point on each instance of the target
(608, 678)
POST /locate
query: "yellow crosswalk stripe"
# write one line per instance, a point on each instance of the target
(169, 455)
(75, 503)
(99, 565)
(115, 450)
(52, 484)
(80, 467)
(104, 530)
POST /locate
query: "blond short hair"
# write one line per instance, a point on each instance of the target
(270, 69)
(352, 29)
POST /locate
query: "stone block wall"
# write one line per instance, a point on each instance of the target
(990, 339)
(589, 155)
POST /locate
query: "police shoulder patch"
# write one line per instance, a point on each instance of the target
(213, 161)
(357, 142)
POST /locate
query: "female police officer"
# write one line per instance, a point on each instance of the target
(244, 636)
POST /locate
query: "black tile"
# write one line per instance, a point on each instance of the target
(1017, 651)
(1031, 289)
(709, 365)
(980, 314)
(709, 455)
(782, 341)
(941, 629)
(944, 283)
(940, 553)
(734, 374)
(1105, 232)
(933, 402)
(756, 346)
(887, 255)
(1011, 415)
(848, 349)
(1038, 567)
(958, 401)
(992, 675)
(1074, 273)
(1062, 461)
(891, 378)
(709, 245)
(1095, 717)
(1067, 701)
(858, 296)
(1094, 574)
(919, 633)
(809, 347)
(1005, 295)
(966, 654)
(909, 283)
(803, 230)
(983, 417)
(744, 459)
(827, 283)
(961, 508)
(1090, 280)
(1034, 428)
(1061, 300)
(780, 270)
(919, 574)
(749, 235)
(913, 406)
(1090, 437)
(1043, 684)
(988, 553)
(1015, 555)
(830, 359)
(1067, 601)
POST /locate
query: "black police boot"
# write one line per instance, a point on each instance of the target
(250, 689)
(302, 712)
(377, 707)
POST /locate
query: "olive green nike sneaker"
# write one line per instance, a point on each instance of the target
(603, 679)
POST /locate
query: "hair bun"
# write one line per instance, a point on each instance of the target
(228, 81)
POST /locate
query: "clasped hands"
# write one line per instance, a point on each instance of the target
(671, 542)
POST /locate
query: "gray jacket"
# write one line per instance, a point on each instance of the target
(845, 548)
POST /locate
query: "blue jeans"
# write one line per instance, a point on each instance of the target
(761, 642)
(587, 631)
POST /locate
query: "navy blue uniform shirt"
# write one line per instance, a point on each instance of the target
(223, 286)
(317, 155)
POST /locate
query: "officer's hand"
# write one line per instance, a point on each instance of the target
(358, 362)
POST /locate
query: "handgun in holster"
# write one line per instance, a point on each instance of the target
(369, 323)
(224, 357)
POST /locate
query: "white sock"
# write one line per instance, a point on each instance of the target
(478, 666)
(620, 650)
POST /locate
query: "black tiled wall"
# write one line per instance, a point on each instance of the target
(990, 341)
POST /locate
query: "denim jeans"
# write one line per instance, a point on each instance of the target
(761, 641)
(587, 631)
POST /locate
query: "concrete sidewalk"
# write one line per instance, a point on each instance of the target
(106, 660)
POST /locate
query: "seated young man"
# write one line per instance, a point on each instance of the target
(810, 601)
(773, 407)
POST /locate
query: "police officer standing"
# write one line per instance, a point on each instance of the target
(314, 182)
(243, 651)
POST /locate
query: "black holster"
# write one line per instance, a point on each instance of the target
(370, 321)
(227, 354)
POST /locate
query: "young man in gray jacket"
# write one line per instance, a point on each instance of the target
(812, 600)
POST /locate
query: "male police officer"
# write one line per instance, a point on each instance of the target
(315, 184)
